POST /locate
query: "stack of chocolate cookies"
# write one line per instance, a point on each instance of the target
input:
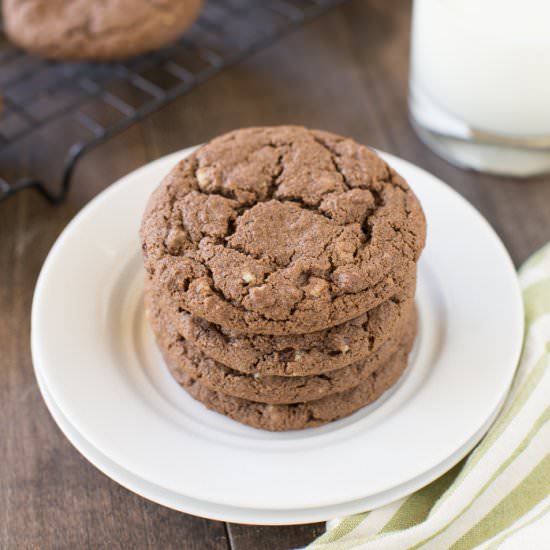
(281, 270)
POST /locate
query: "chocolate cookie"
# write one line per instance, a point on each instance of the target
(282, 230)
(300, 415)
(83, 29)
(184, 360)
(293, 354)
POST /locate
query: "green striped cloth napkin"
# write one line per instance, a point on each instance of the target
(499, 497)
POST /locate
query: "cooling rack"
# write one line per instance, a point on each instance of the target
(85, 104)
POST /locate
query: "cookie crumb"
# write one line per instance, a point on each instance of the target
(204, 178)
(316, 287)
(350, 280)
(203, 288)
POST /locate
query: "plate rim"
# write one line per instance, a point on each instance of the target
(252, 516)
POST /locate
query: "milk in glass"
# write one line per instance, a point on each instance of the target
(480, 82)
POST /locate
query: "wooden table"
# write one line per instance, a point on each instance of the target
(347, 72)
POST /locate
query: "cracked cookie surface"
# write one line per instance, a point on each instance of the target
(81, 29)
(185, 360)
(281, 230)
(293, 354)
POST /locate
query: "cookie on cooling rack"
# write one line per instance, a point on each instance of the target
(102, 31)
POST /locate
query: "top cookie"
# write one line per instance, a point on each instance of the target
(82, 29)
(282, 230)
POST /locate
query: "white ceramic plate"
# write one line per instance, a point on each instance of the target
(96, 355)
(245, 515)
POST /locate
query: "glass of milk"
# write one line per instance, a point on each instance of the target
(480, 82)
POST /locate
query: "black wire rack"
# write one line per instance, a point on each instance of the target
(85, 104)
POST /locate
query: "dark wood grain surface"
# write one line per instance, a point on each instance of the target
(347, 72)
